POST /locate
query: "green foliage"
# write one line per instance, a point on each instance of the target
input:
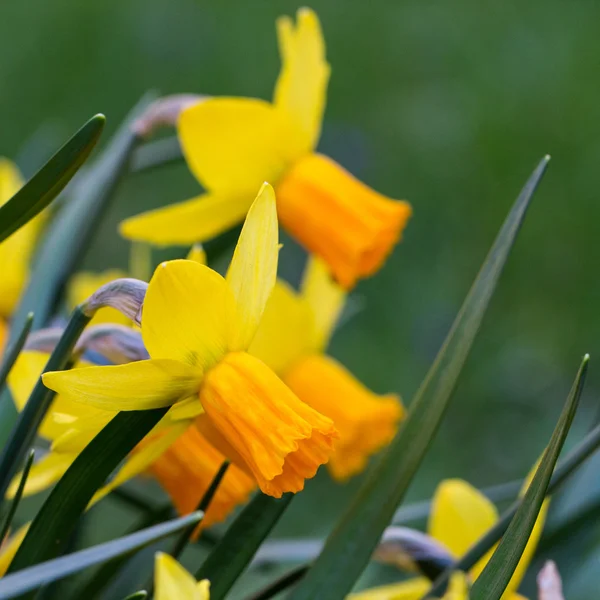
(32, 578)
(51, 179)
(233, 553)
(13, 352)
(350, 546)
(495, 577)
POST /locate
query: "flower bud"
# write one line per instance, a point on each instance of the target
(413, 550)
(118, 343)
(126, 295)
(164, 112)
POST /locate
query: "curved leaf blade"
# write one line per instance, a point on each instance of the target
(51, 179)
(68, 500)
(33, 577)
(349, 548)
(496, 575)
(235, 550)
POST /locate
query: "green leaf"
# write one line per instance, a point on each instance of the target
(68, 237)
(235, 550)
(50, 180)
(13, 352)
(141, 595)
(31, 578)
(205, 501)
(23, 433)
(281, 583)
(349, 548)
(563, 471)
(103, 576)
(15, 501)
(496, 575)
(68, 500)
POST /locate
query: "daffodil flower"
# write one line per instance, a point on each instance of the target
(173, 582)
(197, 326)
(233, 144)
(460, 515)
(292, 338)
(16, 251)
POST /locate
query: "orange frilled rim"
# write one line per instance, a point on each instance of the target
(366, 421)
(256, 420)
(186, 471)
(336, 217)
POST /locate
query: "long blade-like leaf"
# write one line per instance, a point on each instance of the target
(68, 500)
(563, 471)
(15, 501)
(51, 179)
(30, 418)
(349, 548)
(157, 154)
(496, 575)
(52, 570)
(68, 237)
(235, 550)
(13, 352)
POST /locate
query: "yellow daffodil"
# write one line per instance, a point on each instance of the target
(292, 338)
(233, 144)
(173, 582)
(460, 515)
(196, 326)
(186, 471)
(84, 284)
(16, 251)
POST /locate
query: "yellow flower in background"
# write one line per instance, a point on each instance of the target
(186, 471)
(292, 338)
(196, 327)
(173, 582)
(16, 251)
(233, 144)
(460, 515)
(83, 285)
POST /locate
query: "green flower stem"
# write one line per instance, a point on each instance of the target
(13, 352)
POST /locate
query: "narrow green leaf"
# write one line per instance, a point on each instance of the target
(280, 584)
(15, 501)
(31, 578)
(68, 237)
(104, 575)
(496, 575)
(235, 550)
(68, 500)
(349, 547)
(51, 179)
(13, 352)
(565, 468)
(159, 153)
(23, 433)
(205, 501)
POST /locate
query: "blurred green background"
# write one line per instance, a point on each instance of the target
(449, 105)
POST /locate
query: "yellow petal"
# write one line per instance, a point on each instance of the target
(172, 581)
(17, 250)
(43, 474)
(139, 385)
(197, 254)
(203, 589)
(460, 515)
(142, 457)
(285, 333)
(325, 297)
(413, 589)
(301, 88)
(9, 549)
(83, 285)
(188, 314)
(234, 144)
(253, 268)
(195, 220)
